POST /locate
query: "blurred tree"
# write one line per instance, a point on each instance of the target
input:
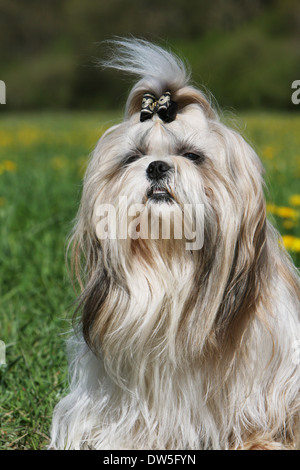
(26, 28)
(241, 50)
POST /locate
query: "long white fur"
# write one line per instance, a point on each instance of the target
(138, 390)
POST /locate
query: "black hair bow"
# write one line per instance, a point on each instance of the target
(163, 106)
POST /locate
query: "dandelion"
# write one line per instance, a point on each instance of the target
(289, 224)
(283, 211)
(294, 200)
(287, 241)
(296, 245)
(291, 243)
(7, 165)
(286, 212)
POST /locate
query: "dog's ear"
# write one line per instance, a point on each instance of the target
(246, 286)
(91, 303)
(88, 272)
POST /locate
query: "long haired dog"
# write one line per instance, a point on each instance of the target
(188, 339)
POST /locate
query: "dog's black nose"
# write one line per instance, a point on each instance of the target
(157, 169)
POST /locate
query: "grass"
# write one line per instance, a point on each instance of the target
(42, 161)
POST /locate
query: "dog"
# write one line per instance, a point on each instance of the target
(184, 341)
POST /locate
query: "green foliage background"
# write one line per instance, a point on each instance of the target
(247, 53)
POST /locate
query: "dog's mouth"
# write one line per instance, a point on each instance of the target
(159, 193)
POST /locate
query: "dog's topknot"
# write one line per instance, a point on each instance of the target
(158, 71)
(161, 68)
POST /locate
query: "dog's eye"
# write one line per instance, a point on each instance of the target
(130, 159)
(195, 157)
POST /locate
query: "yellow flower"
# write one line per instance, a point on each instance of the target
(288, 224)
(294, 200)
(291, 243)
(2, 201)
(296, 245)
(288, 241)
(286, 212)
(7, 165)
(282, 211)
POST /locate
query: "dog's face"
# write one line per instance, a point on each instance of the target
(154, 163)
(153, 170)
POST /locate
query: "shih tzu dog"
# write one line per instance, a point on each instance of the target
(189, 311)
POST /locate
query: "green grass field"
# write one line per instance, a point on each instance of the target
(42, 161)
